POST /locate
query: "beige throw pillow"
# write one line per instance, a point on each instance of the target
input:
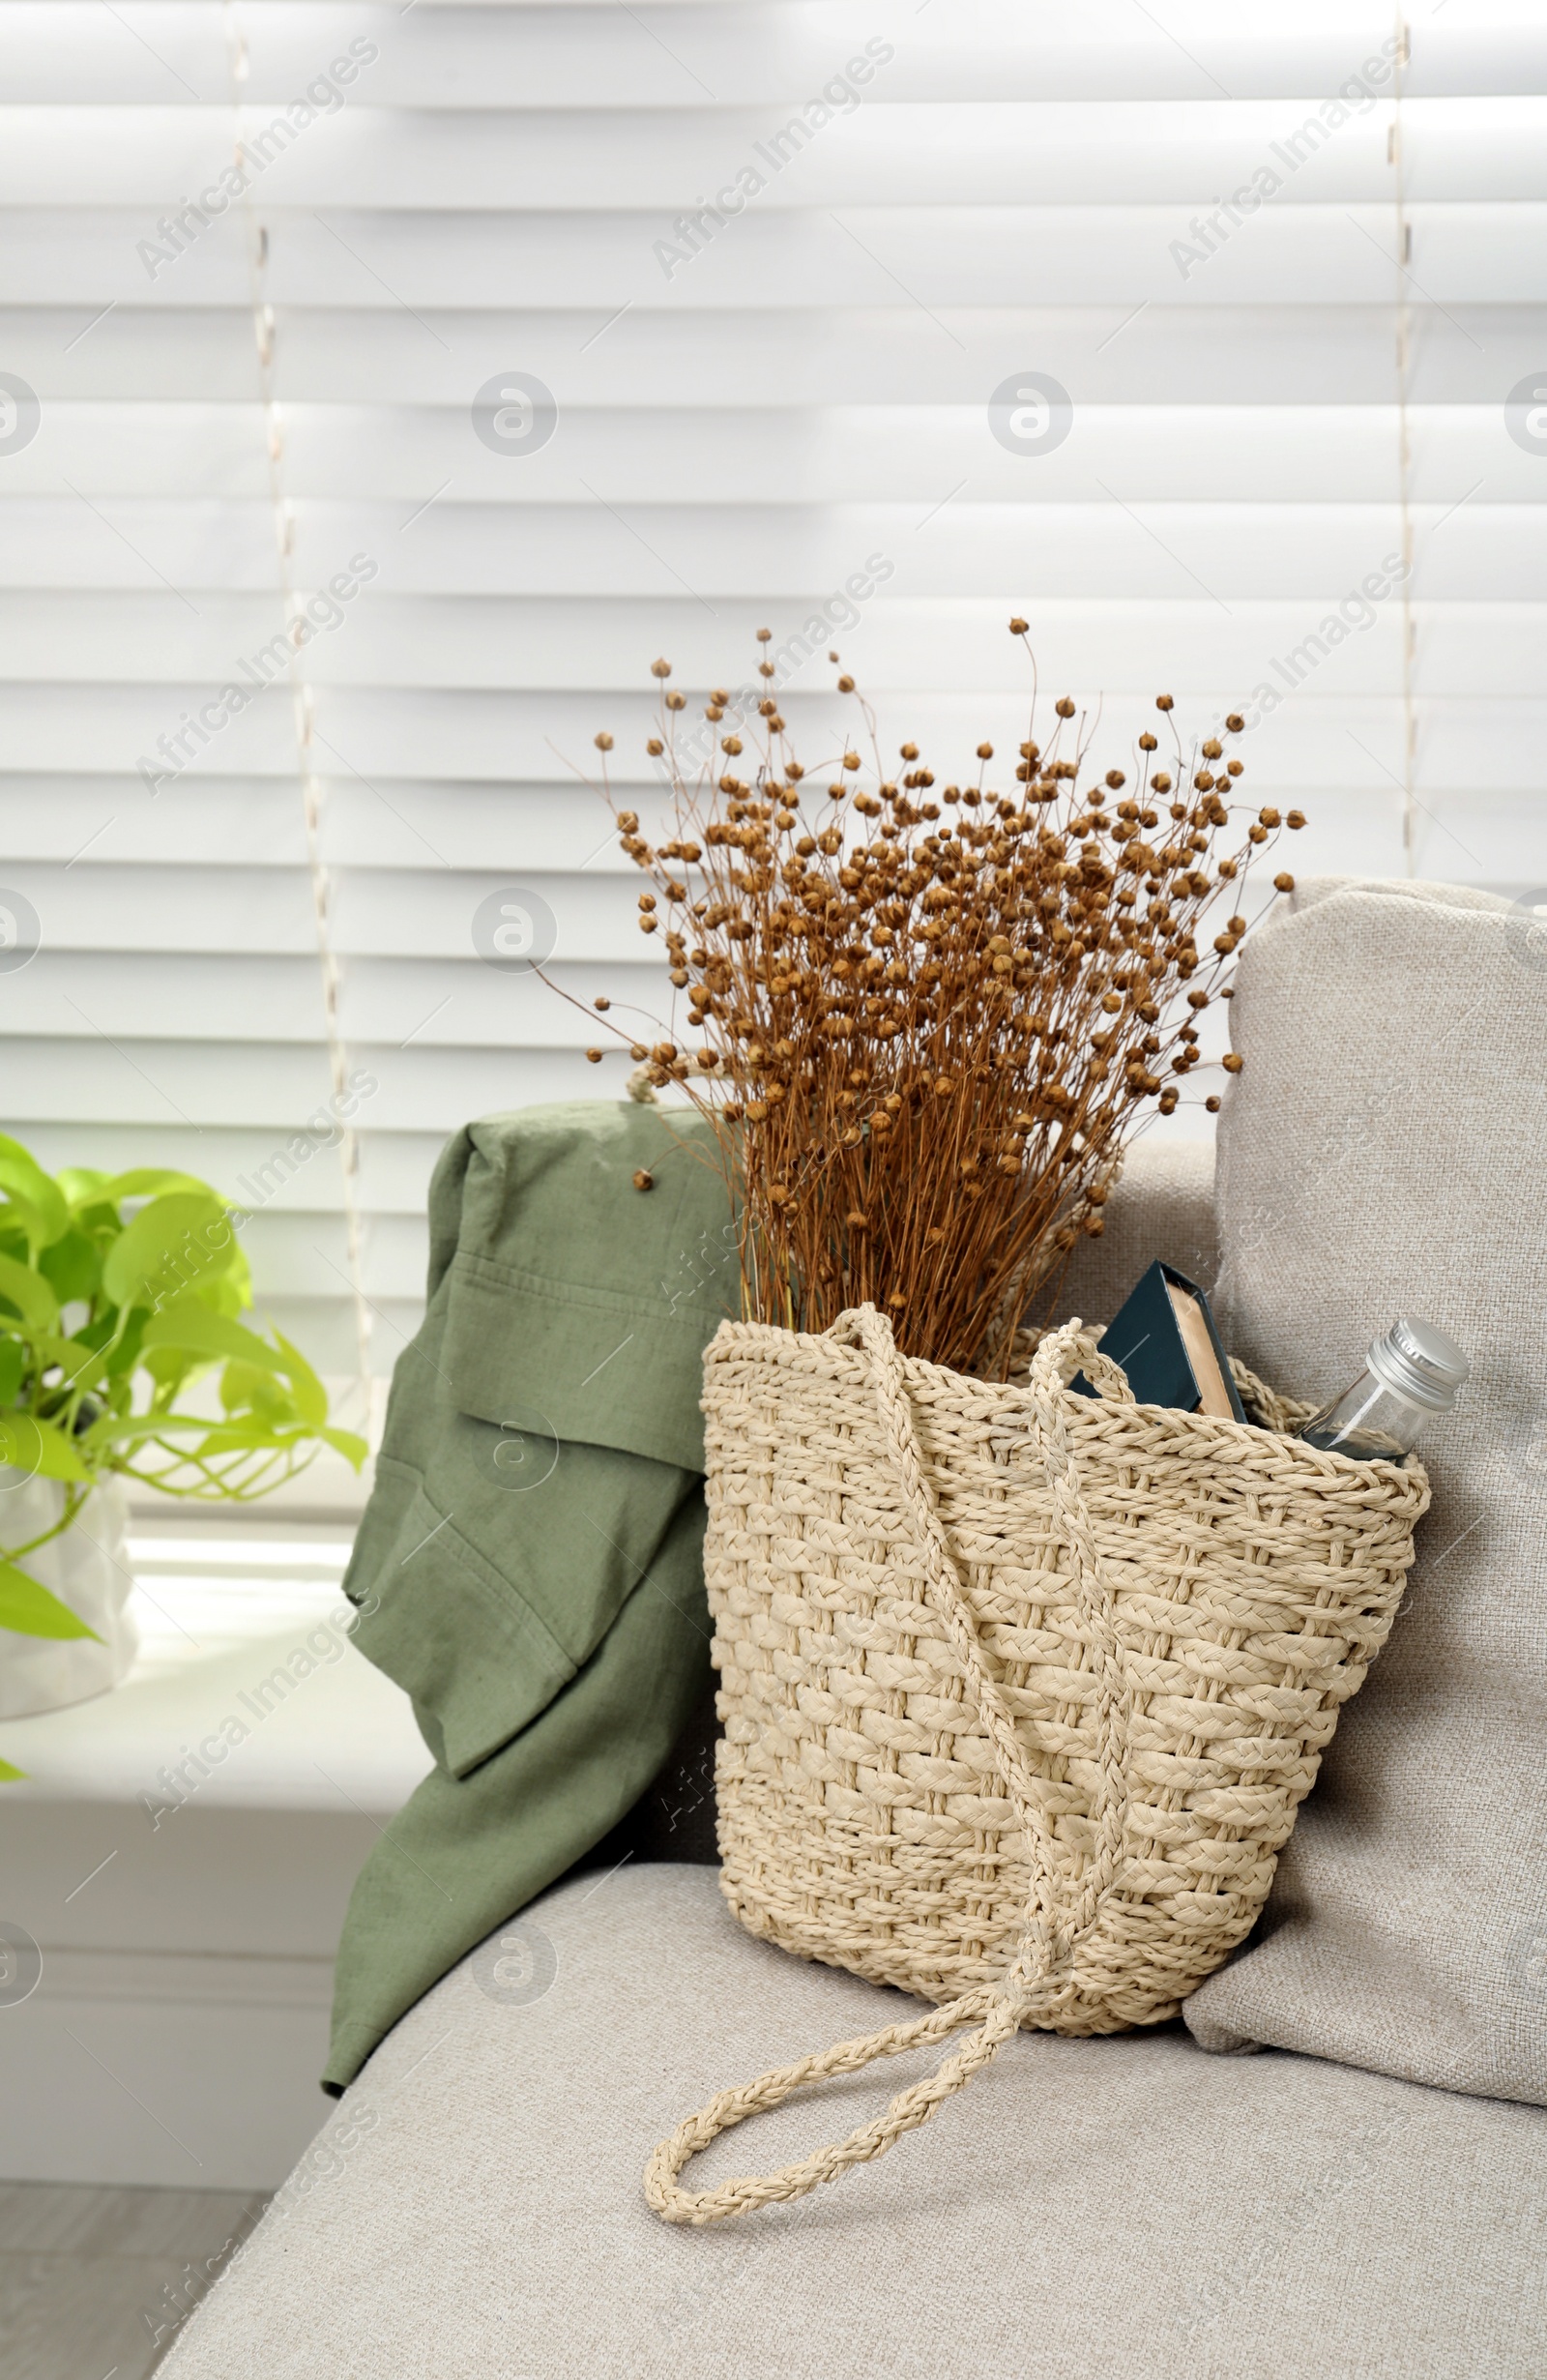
(1385, 1152)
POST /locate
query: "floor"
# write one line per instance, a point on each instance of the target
(94, 2281)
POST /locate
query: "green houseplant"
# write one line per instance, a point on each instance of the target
(118, 1293)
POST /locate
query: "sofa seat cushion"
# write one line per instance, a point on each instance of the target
(1128, 2206)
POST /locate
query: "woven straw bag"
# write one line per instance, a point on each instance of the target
(1021, 1689)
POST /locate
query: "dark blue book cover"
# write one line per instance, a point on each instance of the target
(1165, 1339)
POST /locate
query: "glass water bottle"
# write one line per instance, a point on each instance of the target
(1411, 1372)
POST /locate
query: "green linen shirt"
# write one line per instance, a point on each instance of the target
(529, 1567)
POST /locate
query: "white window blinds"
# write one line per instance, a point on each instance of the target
(382, 388)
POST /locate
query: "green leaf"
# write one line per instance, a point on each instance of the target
(238, 1281)
(168, 1366)
(73, 1267)
(345, 1443)
(182, 1240)
(83, 1184)
(58, 1457)
(144, 1182)
(123, 1358)
(29, 1293)
(35, 1198)
(126, 1428)
(8, 1775)
(248, 1433)
(40, 1449)
(240, 1383)
(12, 1364)
(80, 1363)
(309, 1394)
(189, 1323)
(245, 1389)
(30, 1610)
(223, 1295)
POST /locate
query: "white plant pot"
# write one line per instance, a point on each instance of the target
(84, 1566)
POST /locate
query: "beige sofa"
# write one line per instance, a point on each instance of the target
(1133, 2208)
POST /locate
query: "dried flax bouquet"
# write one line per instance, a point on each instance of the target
(925, 1020)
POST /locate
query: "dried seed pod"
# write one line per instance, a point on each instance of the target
(867, 999)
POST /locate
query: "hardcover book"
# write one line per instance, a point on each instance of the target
(1165, 1339)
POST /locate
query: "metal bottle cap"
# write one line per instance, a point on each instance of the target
(1419, 1363)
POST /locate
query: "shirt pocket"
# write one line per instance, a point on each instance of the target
(451, 1631)
(484, 1606)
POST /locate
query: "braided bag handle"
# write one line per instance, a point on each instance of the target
(1051, 1933)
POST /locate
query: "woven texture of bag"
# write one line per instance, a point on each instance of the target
(1021, 1689)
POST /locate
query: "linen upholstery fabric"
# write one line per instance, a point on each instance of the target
(529, 1566)
(1117, 2209)
(1385, 1152)
(1164, 1205)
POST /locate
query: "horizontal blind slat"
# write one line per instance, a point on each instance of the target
(474, 56)
(625, 356)
(156, 453)
(947, 257)
(589, 657)
(644, 162)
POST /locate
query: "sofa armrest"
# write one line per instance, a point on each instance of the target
(1164, 1205)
